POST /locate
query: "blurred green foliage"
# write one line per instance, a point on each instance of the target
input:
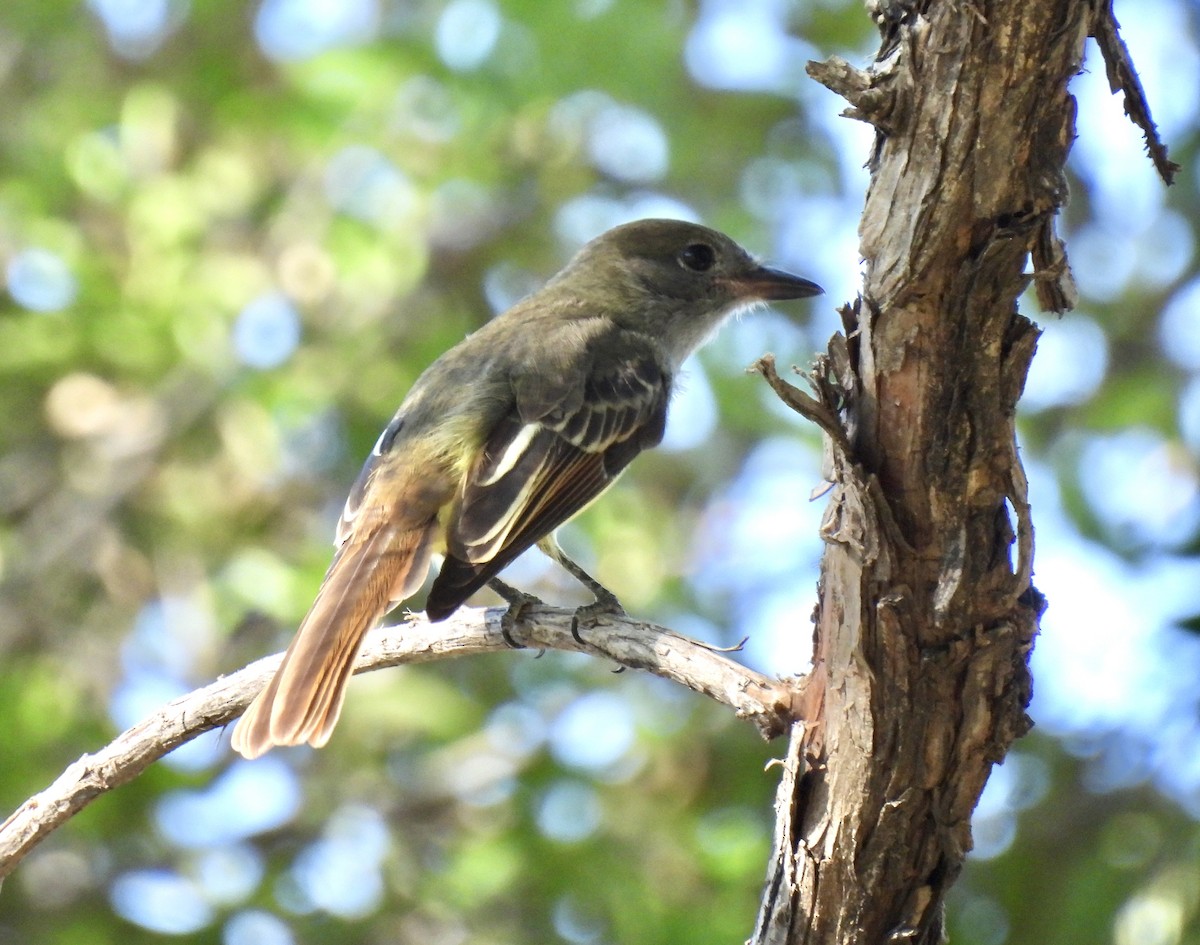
(172, 459)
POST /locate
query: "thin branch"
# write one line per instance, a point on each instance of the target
(767, 703)
(873, 101)
(819, 412)
(1122, 77)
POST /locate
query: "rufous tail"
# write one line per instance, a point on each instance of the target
(302, 702)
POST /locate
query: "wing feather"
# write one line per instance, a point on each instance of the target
(536, 472)
(304, 698)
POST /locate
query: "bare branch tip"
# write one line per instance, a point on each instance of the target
(1123, 77)
(764, 366)
(736, 648)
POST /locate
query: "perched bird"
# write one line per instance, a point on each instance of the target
(506, 436)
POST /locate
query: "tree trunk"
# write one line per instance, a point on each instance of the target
(926, 611)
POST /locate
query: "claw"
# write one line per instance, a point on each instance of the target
(605, 605)
(518, 603)
(507, 622)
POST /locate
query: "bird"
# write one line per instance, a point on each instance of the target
(505, 437)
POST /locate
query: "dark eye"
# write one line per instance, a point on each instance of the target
(699, 257)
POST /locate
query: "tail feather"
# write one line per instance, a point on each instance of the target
(302, 702)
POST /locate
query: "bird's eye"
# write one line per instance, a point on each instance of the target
(699, 257)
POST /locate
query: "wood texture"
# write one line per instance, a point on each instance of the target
(927, 613)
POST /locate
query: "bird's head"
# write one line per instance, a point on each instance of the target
(675, 279)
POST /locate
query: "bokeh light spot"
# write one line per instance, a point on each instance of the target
(1189, 415)
(161, 901)
(569, 812)
(516, 729)
(1103, 260)
(340, 873)
(82, 405)
(1071, 361)
(97, 164)
(742, 44)
(267, 331)
(306, 273)
(577, 923)
(40, 280)
(262, 580)
(628, 144)
(247, 799)
(592, 732)
(54, 879)
(136, 28)
(1142, 486)
(1165, 250)
(466, 33)
(255, 927)
(363, 183)
(1179, 327)
(298, 29)
(1150, 919)
(426, 110)
(229, 874)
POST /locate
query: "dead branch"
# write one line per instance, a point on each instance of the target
(634, 644)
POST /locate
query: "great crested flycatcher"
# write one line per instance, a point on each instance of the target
(506, 436)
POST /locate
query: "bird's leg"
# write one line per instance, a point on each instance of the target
(606, 601)
(518, 601)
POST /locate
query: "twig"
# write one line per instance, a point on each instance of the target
(804, 404)
(1122, 77)
(872, 101)
(765, 702)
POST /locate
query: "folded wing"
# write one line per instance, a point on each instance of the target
(565, 442)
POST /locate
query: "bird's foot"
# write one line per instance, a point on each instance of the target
(605, 605)
(518, 603)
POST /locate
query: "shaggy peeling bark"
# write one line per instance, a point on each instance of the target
(927, 614)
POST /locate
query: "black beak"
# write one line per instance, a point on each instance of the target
(772, 285)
